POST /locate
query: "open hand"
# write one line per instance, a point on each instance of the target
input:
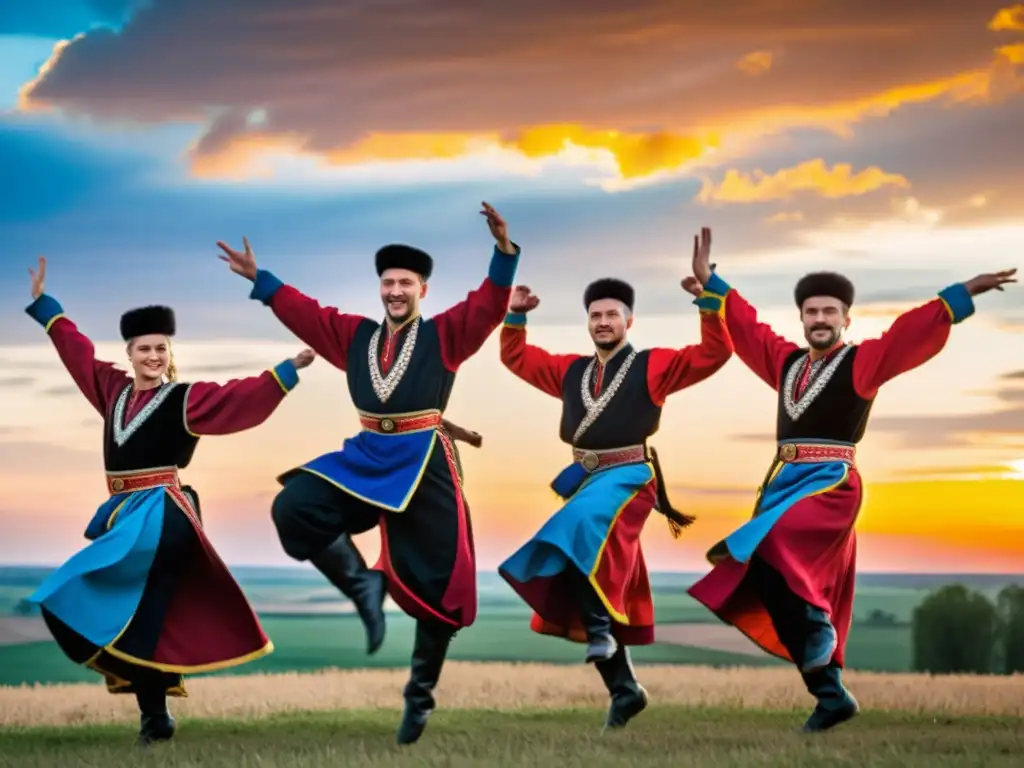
(498, 227)
(38, 278)
(304, 359)
(243, 263)
(701, 266)
(522, 300)
(984, 283)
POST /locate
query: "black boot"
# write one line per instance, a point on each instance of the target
(821, 641)
(835, 704)
(156, 722)
(428, 654)
(345, 568)
(629, 698)
(601, 645)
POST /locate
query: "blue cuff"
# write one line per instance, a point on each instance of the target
(287, 375)
(503, 267)
(959, 302)
(45, 310)
(515, 319)
(709, 302)
(717, 286)
(264, 286)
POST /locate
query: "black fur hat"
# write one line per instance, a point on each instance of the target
(404, 257)
(824, 284)
(146, 320)
(609, 288)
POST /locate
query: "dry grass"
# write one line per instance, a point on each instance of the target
(467, 685)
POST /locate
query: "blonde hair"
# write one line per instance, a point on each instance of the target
(172, 369)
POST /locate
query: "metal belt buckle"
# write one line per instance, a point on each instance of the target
(590, 461)
(117, 484)
(387, 425)
(788, 452)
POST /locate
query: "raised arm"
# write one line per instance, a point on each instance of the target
(760, 348)
(670, 370)
(99, 381)
(464, 327)
(915, 337)
(240, 404)
(534, 365)
(325, 329)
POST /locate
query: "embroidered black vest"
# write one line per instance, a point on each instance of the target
(829, 408)
(629, 417)
(417, 379)
(155, 437)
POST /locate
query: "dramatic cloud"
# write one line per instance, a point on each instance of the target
(656, 86)
(960, 429)
(812, 176)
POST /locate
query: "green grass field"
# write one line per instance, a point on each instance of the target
(662, 736)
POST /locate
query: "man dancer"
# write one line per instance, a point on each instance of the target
(786, 578)
(402, 470)
(583, 573)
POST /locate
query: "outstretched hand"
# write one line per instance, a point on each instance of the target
(701, 266)
(304, 359)
(498, 227)
(993, 281)
(38, 278)
(522, 300)
(241, 263)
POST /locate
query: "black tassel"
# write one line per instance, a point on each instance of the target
(676, 519)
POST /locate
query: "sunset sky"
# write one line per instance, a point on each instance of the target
(872, 138)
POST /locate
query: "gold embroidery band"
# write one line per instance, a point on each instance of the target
(812, 453)
(594, 460)
(142, 480)
(399, 423)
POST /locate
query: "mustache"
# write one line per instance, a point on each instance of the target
(602, 328)
(821, 327)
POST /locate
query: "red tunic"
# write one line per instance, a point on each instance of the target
(814, 544)
(620, 575)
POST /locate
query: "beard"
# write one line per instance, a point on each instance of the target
(822, 344)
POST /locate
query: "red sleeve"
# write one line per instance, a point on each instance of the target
(534, 365)
(327, 331)
(914, 338)
(100, 382)
(670, 370)
(238, 405)
(761, 349)
(464, 327)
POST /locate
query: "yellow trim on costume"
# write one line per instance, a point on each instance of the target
(516, 326)
(53, 320)
(184, 412)
(278, 380)
(371, 502)
(117, 510)
(592, 576)
(182, 669)
(949, 309)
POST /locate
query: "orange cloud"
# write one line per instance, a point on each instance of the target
(755, 63)
(812, 176)
(785, 217)
(560, 93)
(1008, 19)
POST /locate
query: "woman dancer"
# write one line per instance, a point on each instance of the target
(148, 599)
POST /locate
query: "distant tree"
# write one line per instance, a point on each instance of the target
(1010, 603)
(24, 608)
(879, 618)
(955, 630)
